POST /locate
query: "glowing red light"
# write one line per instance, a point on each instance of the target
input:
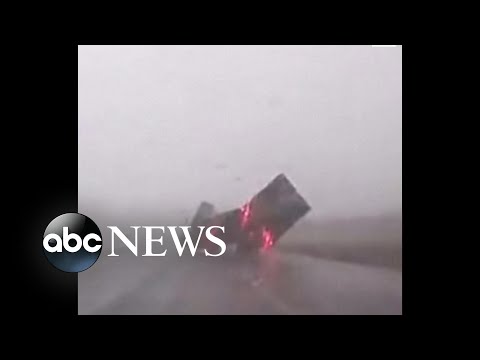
(246, 213)
(267, 238)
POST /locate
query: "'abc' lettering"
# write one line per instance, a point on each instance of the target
(63, 242)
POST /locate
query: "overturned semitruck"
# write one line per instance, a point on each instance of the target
(259, 223)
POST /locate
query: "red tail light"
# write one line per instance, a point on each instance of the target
(267, 238)
(245, 214)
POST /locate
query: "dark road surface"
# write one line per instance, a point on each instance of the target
(279, 283)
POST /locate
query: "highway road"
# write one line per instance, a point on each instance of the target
(278, 283)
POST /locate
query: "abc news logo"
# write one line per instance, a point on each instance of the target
(53, 242)
(72, 242)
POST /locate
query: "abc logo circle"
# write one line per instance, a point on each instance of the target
(72, 242)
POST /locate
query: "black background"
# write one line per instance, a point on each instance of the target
(46, 170)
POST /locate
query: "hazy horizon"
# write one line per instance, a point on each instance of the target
(162, 128)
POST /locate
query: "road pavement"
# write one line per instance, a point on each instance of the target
(276, 283)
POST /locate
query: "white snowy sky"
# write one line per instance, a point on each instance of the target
(162, 128)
